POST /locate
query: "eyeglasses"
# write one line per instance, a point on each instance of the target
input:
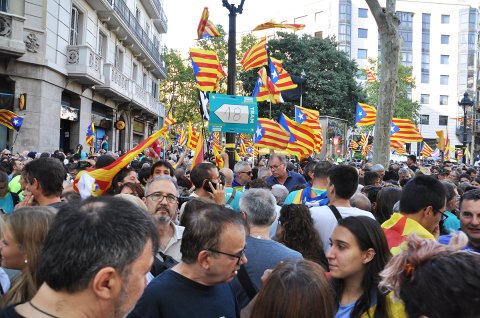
(444, 216)
(275, 167)
(237, 256)
(246, 172)
(157, 196)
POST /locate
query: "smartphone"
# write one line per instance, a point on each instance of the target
(206, 186)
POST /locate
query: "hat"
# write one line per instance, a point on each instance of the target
(31, 154)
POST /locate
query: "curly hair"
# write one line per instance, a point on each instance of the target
(299, 233)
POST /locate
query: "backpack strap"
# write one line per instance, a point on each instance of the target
(337, 214)
(231, 197)
(246, 282)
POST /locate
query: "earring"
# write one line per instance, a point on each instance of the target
(26, 261)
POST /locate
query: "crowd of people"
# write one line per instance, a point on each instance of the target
(268, 237)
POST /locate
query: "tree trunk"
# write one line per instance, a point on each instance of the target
(390, 41)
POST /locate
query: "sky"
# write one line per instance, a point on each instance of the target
(184, 15)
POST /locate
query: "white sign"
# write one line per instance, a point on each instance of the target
(235, 114)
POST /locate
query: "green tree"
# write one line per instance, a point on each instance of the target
(404, 107)
(178, 91)
(330, 76)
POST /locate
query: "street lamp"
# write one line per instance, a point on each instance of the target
(232, 68)
(465, 102)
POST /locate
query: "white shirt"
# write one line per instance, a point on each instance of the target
(325, 222)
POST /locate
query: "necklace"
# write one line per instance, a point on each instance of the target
(39, 310)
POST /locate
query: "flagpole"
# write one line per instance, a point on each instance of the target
(14, 140)
(270, 114)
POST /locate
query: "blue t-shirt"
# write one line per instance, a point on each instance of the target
(293, 179)
(261, 255)
(173, 295)
(345, 311)
(452, 223)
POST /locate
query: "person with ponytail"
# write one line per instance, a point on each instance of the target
(435, 280)
(358, 253)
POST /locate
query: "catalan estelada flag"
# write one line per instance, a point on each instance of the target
(206, 69)
(371, 76)
(280, 76)
(270, 134)
(398, 228)
(199, 150)
(169, 120)
(10, 120)
(401, 151)
(95, 182)
(256, 56)
(404, 130)
(353, 145)
(365, 115)
(395, 144)
(206, 28)
(265, 89)
(182, 137)
(271, 24)
(193, 137)
(302, 141)
(90, 136)
(243, 148)
(425, 149)
(364, 144)
(311, 119)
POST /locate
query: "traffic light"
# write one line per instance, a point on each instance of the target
(440, 140)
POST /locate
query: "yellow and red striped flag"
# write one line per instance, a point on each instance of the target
(302, 140)
(199, 150)
(265, 89)
(206, 69)
(95, 182)
(353, 144)
(426, 150)
(218, 158)
(271, 24)
(90, 136)
(365, 115)
(310, 118)
(256, 56)
(182, 137)
(243, 148)
(169, 120)
(193, 137)
(280, 76)
(371, 76)
(206, 28)
(404, 130)
(270, 134)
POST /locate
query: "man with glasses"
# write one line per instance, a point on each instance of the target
(243, 175)
(422, 207)
(280, 174)
(161, 201)
(213, 249)
(469, 220)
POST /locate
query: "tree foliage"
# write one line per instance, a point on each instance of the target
(330, 75)
(404, 107)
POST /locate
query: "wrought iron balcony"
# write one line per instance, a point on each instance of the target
(84, 65)
(11, 35)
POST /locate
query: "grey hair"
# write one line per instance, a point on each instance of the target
(377, 167)
(239, 165)
(259, 205)
(280, 192)
(263, 171)
(158, 178)
(279, 157)
(403, 171)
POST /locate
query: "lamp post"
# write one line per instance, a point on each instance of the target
(232, 70)
(465, 102)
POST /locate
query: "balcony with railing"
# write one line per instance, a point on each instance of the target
(155, 9)
(84, 65)
(144, 100)
(117, 85)
(11, 35)
(124, 23)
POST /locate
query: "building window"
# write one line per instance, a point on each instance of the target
(443, 120)
(445, 38)
(154, 89)
(362, 54)
(135, 72)
(102, 45)
(443, 79)
(75, 19)
(4, 5)
(144, 82)
(424, 119)
(425, 99)
(138, 14)
(425, 78)
(445, 19)
(443, 99)
(444, 59)
(118, 62)
(361, 75)
(362, 33)
(362, 13)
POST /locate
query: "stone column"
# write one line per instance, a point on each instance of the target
(79, 128)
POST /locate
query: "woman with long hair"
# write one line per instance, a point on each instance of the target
(295, 289)
(296, 231)
(21, 245)
(358, 253)
(386, 199)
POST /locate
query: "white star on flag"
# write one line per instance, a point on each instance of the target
(300, 116)
(259, 132)
(15, 122)
(274, 75)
